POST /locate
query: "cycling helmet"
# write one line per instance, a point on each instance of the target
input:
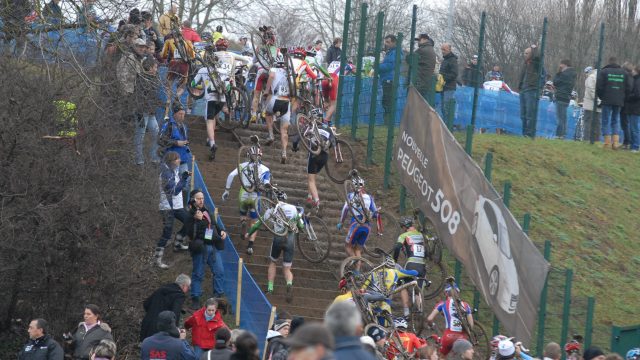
(299, 53)
(633, 354)
(342, 284)
(572, 346)
(254, 153)
(449, 287)
(406, 221)
(574, 94)
(496, 340)
(400, 322)
(357, 181)
(549, 83)
(316, 112)
(222, 44)
(281, 195)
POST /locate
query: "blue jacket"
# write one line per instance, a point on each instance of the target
(166, 347)
(170, 134)
(388, 64)
(350, 348)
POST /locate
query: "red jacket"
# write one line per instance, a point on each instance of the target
(203, 332)
(191, 35)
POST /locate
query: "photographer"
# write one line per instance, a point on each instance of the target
(207, 234)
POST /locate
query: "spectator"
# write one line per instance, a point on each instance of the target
(552, 351)
(135, 19)
(379, 336)
(528, 84)
(222, 349)
(591, 115)
(41, 346)
(632, 107)
(463, 350)
(345, 323)
(564, 82)
(168, 342)
(296, 323)
(87, 16)
(207, 236)
(247, 50)
(471, 75)
(449, 72)
(277, 349)
(217, 35)
(147, 89)
(89, 333)
(168, 297)
(203, 324)
(335, 50)
(427, 353)
(317, 48)
(130, 67)
(106, 349)
(495, 74)
(246, 347)
(234, 335)
(311, 342)
(151, 33)
(612, 87)
(188, 33)
(425, 64)
(594, 352)
(165, 19)
(174, 136)
(624, 119)
(52, 12)
(386, 70)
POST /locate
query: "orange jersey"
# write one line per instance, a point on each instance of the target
(410, 343)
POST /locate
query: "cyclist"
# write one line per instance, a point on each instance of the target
(279, 103)
(315, 163)
(267, 51)
(345, 293)
(410, 342)
(330, 87)
(247, 200)
(178, 65)
(451, 313)
(226, 62)
(284, 245)
(358, 233)
(412, 242)
(633, 354)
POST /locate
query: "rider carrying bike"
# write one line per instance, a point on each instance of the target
(279, 103)
(267, 51)
(178, 64)
(247, 200)
(410, 342)
(315, 162)
(358, 233)
(281, 244)
(330, 88)
(451, 312)
(412, 242)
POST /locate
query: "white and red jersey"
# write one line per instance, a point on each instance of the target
(448, 308)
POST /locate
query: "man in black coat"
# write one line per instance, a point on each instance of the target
(449, 71)
(333, 54)
(40, 346)
(425, 66)
(612, 87)
(168, 297)
(564, 81)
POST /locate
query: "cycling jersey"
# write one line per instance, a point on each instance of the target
(227, 62)
(410, 343)
(343, 297)
(413, 244)
(210, 91)
(448, 308)
(264, 174)
(170, 50)
(291, 213)
(386, 279)
(303, 70)
(280, 83)
(369, 204)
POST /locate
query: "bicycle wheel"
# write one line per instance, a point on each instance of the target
(314, 241)
(341, 161)
(356, 266)
(195, 90)
(355, 203)
(435, 248)
(248, 172)
(238, 106)
(437, 275)
(481, 344)
(271, 217)
(417, 310)
(306, 128)
(384, 236)
(259, 55)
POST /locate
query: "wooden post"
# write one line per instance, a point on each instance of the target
(271, 320)
(239, 293)
(193, 171)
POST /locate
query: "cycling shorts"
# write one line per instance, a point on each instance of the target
(315, 163)
(358, 234)
(330, 89)
(281, 106)
(214, 108)
(422, 271)
(177, 69)
(261, 79)
(283, 244)
(448, 338)
(247, 203)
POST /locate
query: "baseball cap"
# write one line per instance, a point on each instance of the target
(422, 36)
(310, 335)
(139, 42)
(506, 350)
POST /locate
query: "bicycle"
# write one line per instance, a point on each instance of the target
(237, 103)
(250, 172)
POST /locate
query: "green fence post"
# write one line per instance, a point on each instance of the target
(468, 142)
(476, 300)
(374, 89)
(566, 309)
(392, 117)
(476, 90)
(588, 330)
(358, 82)
(543, 42)
(457, 272)
(412, 64)
(506, 197)
(403, 199)
(526, 221)
(488, 165)
(451, 105)
(594, 113)
(343, 60)
(542, 313)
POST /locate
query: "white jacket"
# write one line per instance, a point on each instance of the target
(590, 91)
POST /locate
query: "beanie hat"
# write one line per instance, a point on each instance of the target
(592, 352)
(460, 346)
(166, 321)
(280, 324)
(506, 350)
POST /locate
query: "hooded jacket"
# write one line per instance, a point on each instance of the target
(164, 346)
(449, 71)
(564, 81)
(203, 332)
(83, 340)
(529, 77)
(168, 297)
(590, 91)
(613, 85)
(276, 348)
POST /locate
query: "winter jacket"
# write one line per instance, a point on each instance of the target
(590, 91)
(191, 35)
(203, 332)
(196, 228)
(43, 348)
(529, 77)
(83, 341)
(167, 297)
(632, 106)
(217, 354)
(387, 65)
(170, 133)
(166, 347)
(426, 65)
(165, 23)
(128, 69)
(171, 185)
(350, 348)
(449, 71)
(613, 85)
(333, 54)
(147, 91)
(467, 76)
(276, 348)
(564, 82)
